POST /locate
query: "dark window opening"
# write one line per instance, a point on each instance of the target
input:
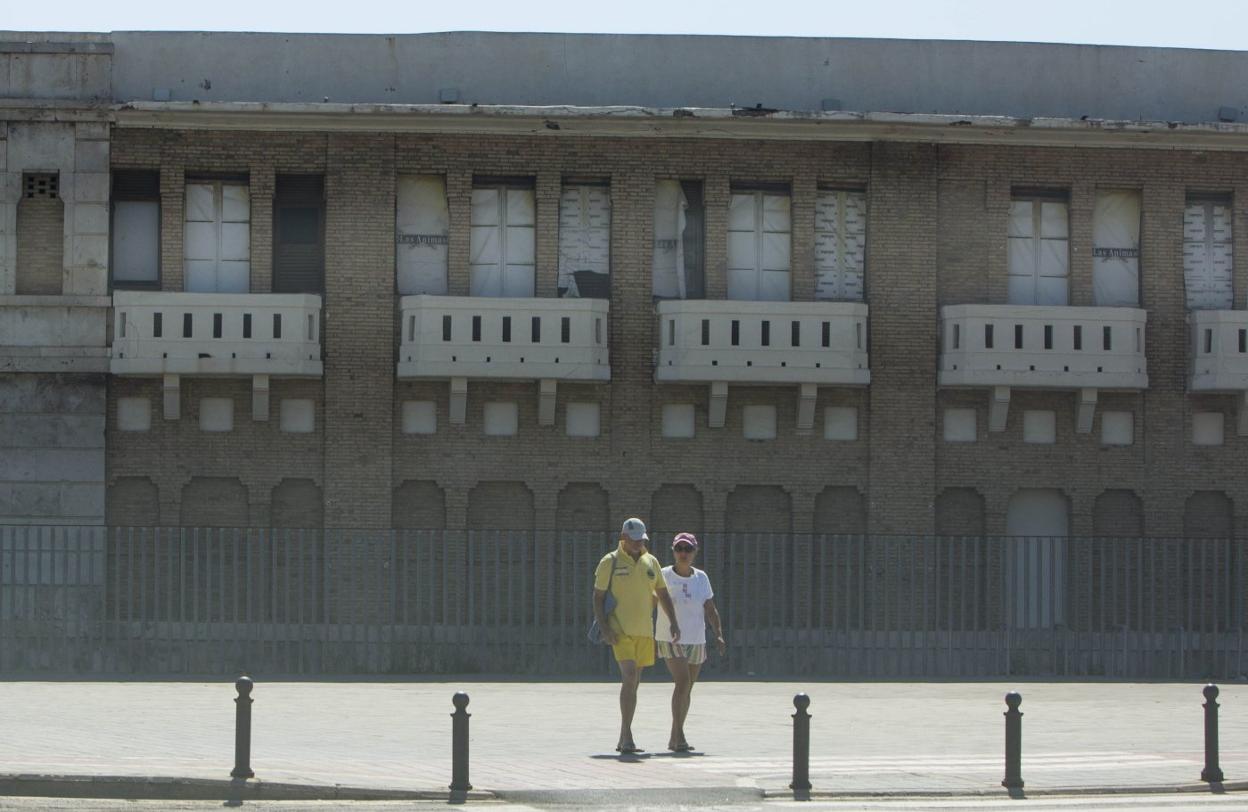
(1107, 338)
(565, 330)
(246, 325)
(507, 329)
(827, 334)
(796, 337)
(299, 234)
(446, 328)
(187, 325)
(216, 325)
(158, 326)
(535, 330)
(1018, 336)
(1078, 336)
(706, 332)
(277, 325)
(987, 336)
(736, 333)
(476, 328)
(1048, 336)
(765, 338)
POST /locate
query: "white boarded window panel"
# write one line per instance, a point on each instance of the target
(583, 420)
(959, 426)
(501, 419)
(678, 421)
(669, 249)
(420, 417)
(1207, 255)
(297, 416)
(1117, 428)
(840, 245)
(134, 414)
(759, 245)
(501, 252)
(1116, 249)
(1208, 428)
(216, 414)
(423, 222)
(584, 233)
(217, 239)
(1039, 260)
(840, 423)
(758, 422)
(136, 240)
(1039, 426)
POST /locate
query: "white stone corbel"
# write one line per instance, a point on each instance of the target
(1086, 411)
(260, 397)
(998, 408)
(459, 401)
(719, 404)
(172, 388)
(807, 393)
(546, 401)
(1242, 427)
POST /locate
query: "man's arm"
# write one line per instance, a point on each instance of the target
(665, 600)
(712, 617)
(600, 597)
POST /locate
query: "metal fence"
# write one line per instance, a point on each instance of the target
(191, 601)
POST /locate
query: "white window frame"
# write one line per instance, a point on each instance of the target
(225, 267)
(1208, 253)
(759, 277)
(1028, 250)
(422, 226)
(508, 274)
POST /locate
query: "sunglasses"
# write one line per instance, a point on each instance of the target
(684, 548)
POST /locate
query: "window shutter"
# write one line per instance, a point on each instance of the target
(840, 245)
(1116, 249)
(423, 226)
(1207, 255)
(585, 240)
(298, 234)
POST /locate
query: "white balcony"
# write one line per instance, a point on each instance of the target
(1219, 351)
(54, 334)
(256, 335)
(722, 342)
(514, 339)
(1043, 347)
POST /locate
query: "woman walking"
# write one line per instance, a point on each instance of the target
(695, 608)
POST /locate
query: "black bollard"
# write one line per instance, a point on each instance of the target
(1013, 742)
(801, 744)
(1212, 772)
(459, 743)
(242, 729)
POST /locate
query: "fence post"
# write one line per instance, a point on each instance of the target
(801, 744)
(1013, 742)
(459, 743)
(242, 729)
(1212, 772)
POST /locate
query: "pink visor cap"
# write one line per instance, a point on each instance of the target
(685, 538)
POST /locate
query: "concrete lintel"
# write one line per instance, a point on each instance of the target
(172, 388)
(1086, 411)
(260, 397)
(807, 393)
(1242, 427)
(998, 408)
(546, 402)
(719, 404)
(459, 401)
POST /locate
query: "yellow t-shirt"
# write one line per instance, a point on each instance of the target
(633, 585)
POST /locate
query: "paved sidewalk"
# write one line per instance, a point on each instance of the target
(866, 737)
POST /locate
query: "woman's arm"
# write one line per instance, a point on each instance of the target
(712, 617)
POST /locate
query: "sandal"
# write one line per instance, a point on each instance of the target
(632, 749)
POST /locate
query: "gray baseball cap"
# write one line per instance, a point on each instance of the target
(635, 529)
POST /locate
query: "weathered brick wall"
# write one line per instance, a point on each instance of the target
(40, 246)
(936, 236)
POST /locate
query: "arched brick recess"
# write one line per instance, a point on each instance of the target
(209, 501)
(132, 501)
(759, 509)
(840, 510)
(583, 507)
(1117, 513)
(297, 503)
(960, 512)
(500, 506)
(1208, 514)
(419, 504)
(675, 509)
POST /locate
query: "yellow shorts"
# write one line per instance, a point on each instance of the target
(639, 649)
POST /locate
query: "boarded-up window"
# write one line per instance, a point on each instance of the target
(502, 257)
(217, 241)
(840, 245)
(422, 225)
(1116, 249)
(299, 234)
(1207, 253)
(136, 230)
(585, 241)
(1039, 250)
(678, 240)
(759, 246)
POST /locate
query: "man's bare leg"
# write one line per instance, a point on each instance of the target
(630, 677)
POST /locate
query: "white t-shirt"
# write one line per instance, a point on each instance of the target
(688, 596)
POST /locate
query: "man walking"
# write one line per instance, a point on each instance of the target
(633, 577)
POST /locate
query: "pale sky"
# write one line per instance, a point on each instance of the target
(1221, 24)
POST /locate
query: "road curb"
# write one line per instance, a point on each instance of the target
(1002, 792)
(156, 788)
